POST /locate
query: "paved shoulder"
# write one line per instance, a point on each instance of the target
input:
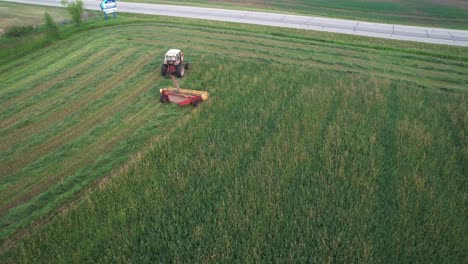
(388, 31)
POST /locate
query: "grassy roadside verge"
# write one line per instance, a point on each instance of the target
(452, 14)
(13, 14)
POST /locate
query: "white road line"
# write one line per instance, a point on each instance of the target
(352, 27)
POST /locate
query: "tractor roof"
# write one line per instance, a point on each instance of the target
(173, 51)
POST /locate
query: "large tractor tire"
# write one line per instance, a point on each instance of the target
(164, 70)
(180, 70)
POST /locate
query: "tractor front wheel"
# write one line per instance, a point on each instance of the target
(164, 70)
(187, 66)
(180, 70)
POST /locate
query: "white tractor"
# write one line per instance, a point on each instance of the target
(174, 64)
(173, 67)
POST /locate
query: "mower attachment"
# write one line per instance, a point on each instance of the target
(183, 96)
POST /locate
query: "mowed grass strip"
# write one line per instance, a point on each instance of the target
(323, 56)
(54, 108)
(51, 74)
(24, 188)
(105, 87)
(26, 92)
(51, 92)
(86, 122)
(19, 69)
(301, 42)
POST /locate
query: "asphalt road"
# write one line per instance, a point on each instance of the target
(360, 28)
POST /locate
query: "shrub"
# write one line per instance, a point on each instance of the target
(75, 8)
(20, 31)
(50, 25)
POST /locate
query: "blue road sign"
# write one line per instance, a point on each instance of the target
(109, 6)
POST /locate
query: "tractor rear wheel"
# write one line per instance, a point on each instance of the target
(180, 70)
(164, 70)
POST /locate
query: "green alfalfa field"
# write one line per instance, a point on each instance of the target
(313, 147)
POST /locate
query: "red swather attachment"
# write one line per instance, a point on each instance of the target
(183, 96)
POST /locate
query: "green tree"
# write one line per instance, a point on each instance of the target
(50, 25)
(75, 8)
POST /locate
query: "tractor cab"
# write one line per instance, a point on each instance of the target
(173, 57)
(174, 64)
